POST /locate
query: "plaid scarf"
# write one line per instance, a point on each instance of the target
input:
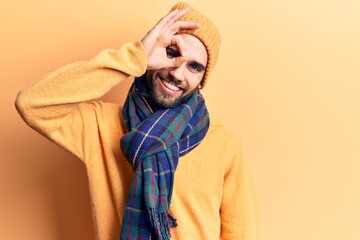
(153, 145)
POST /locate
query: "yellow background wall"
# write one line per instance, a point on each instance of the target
(287, 79)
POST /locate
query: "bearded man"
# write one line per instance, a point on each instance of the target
(157, 167)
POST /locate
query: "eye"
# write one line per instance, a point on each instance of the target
(172, 53)
(194, 66)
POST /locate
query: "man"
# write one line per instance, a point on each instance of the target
(175, 175)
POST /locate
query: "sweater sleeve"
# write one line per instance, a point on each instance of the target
(239, 214)
(48, 104)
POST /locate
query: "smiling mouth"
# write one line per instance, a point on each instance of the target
(171, 86)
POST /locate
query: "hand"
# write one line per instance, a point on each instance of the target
(163, 35)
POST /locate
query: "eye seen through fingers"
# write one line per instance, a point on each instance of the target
(171, 52)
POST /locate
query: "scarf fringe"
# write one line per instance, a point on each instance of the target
(161, 224)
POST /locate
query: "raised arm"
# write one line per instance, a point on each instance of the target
(45, 105)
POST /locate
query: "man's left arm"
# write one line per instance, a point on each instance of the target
(239, 214)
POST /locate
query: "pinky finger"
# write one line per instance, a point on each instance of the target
(182, 25)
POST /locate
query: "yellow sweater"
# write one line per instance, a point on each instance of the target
(212, 198)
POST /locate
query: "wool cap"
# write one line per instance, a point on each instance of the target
(207, 33)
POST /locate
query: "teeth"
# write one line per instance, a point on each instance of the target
(171, 86)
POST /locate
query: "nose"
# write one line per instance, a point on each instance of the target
(178, 73)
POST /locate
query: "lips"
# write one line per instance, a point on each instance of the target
(169, 85)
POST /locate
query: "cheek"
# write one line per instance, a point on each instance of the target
(195, 81)
(148, 77)
(150, 74)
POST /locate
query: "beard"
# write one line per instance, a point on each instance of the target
(163, 99)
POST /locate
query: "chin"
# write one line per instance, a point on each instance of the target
(165, 102)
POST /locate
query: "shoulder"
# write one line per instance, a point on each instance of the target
(221, 141)
(105, 116)
(221, 129)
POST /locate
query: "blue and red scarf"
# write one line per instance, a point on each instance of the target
(153, 145)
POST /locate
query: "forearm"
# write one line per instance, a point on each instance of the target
(45, 105)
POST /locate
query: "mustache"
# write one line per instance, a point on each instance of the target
(170, 79)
